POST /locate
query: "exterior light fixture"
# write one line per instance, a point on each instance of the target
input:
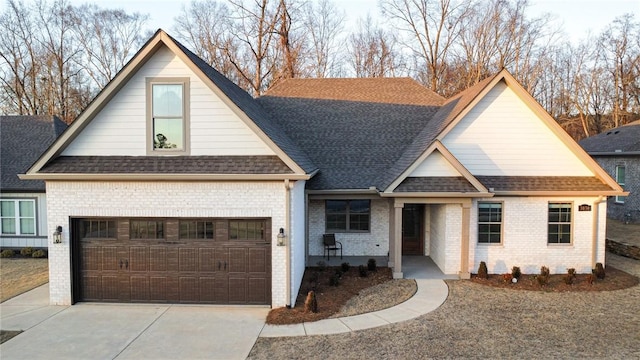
(57, 235)
(281, 237)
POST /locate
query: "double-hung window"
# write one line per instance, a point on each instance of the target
(559, 223)
(18, 217)
(620, 179)
(168, 116)
(489, 223)
(348, 215)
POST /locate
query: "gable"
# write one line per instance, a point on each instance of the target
(435, 165)
(120, 127)
(502, 136)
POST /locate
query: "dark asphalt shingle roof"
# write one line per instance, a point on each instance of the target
(167, 165)
(22, 140)
(352, 142)
(543, 183)
(435, 184)
(618, 141)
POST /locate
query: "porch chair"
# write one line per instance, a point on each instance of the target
(330, 244)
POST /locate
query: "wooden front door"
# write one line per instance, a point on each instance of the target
(412, 229)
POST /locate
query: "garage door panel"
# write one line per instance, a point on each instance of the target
(139, 258)
(207, 289)
(91, 258)
(139, 288)
(207, 260)
(257, 292)
(189, 291)
(110, 258)
(221, 290)
(237, 289)
(173, 263)
(237, 260)
(188, 259)
(92, 285)
(157, 258)
(111, 288)
(257, 260)
(158, 288)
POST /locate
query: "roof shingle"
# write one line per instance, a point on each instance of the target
(436, 184)
(543, 183)
(619, 141)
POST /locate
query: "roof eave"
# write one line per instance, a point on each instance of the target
(563, 193)
(437, 194)
(613, 153)
(162, 177)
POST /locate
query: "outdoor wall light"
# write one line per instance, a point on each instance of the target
(57, 235)
(281, 237)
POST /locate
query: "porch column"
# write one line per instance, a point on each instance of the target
(464, 243)
(397, 239)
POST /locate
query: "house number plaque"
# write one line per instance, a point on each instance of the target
(584, 207)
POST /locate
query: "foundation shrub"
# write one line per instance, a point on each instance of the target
(26, 251)
(345, 266)
(543, 277)
(599, 271)
(7, 253)
(570, 277)
(39, 254)
(362, 270)
(515, 272)
(482, 270)
(371, 265)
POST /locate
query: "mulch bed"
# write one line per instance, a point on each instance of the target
(330, 298)
(614, 280)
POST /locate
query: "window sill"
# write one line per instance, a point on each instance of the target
(491, 244)
(346, 232)
(564, 245)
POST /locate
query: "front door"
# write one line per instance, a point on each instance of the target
(412, 229)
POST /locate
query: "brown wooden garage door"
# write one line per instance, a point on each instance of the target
(211, 261)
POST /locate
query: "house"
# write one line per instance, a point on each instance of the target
(175, 185)
(23, 205)
(617, 151)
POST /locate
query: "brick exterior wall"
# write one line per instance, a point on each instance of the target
(445, 234)
(524, 242)
(161, 199)
(631, 203)
(373, 243)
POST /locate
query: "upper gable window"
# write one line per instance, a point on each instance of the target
(168, 116)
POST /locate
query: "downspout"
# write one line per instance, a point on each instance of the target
(594, 240)
(287, 227)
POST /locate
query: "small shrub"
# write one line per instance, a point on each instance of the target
(39, 254)
(543, 277)
(334, 280)
(7, 253)
(322, 266)
(570, 277)
(311, 303)
(599, 271)
(507, 278)
(482, 270)
(345, 267)
(371, 265)
(515, 272)
(26, 251)
(338, 273)
(362, 270)
(590, 279)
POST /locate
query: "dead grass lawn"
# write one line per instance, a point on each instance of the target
(20, 275)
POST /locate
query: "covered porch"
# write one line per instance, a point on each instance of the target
(413, 266)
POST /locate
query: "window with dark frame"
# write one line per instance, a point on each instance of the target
(489, 223)
(18, 217)
(620, 179)
(146, 229)
(98, 229)
(247, 230)
(196, 229)
(347, 215)
(559, 223)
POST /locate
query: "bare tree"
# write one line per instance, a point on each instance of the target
(372, 51)
(324, 23)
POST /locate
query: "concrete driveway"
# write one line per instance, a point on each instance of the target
(105, 331)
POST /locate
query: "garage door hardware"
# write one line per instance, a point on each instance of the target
(125, 262)
(220, 265)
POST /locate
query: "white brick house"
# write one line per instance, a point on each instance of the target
(174, 185)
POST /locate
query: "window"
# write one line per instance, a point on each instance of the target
(18, 217)
(246, 230)
(196, 229)
(559, 223)
(620, 178)
(168, 105)
(489, 223)
(347, 215)
(98, 229)
(147, 229)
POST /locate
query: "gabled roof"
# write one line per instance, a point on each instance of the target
(247, 109)
(22, 140)
(621, 141)
(352, 135)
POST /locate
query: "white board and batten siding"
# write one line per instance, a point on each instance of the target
(120, 127)
(40, 239)
(435, 165)
(502, 136)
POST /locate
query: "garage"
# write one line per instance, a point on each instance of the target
(174, 260)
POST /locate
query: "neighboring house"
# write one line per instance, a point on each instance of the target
(175, 185)
(618, 153)
(23, 205)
